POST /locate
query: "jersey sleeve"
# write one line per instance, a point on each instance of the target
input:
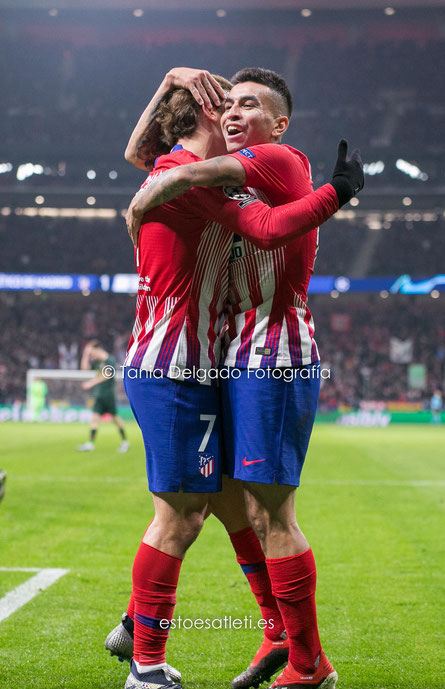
(265, 227)
(275, 163)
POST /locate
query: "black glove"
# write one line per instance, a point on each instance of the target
(347, 178)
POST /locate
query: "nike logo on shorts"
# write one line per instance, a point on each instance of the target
(247, 463)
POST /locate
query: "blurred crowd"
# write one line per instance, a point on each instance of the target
(358, 338)
(98, 246)
(354, 335)
(59, 103)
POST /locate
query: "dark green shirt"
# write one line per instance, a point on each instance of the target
(104, 390)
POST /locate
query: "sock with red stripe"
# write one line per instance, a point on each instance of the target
(155, 578)
(250, 557)
(293, 584)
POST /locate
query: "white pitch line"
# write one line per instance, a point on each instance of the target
(20, 569)
(13, 600)
(389, 484)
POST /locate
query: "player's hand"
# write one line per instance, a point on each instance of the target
(133, 218)
(85, 385)
(348, 178)
(201, 84)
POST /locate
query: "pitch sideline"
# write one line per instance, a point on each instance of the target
(22, 594)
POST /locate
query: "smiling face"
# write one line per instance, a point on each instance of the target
(253, 115)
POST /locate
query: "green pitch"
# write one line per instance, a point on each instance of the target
(372, 506)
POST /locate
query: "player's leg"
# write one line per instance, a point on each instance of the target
(230, 508)
(180, 427)
(177, 523)
(123, 447)
(270, 443)
(95, 422)
(291, 566)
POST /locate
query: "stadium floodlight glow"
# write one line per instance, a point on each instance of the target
(374, 168)
(342, 284)
(221, 13)
(138, 13)
(435, 294)
(390, 11)
(384, 294)
(354, 201)
(335, 294)
(48, 212)
(53, 12)
(411, 170)
(91, 200)
(91, 174)
(407, 201)
(112, 174)
(27, 170)
(5, 211)
(39, 199)
(306, 12)
(5, 167)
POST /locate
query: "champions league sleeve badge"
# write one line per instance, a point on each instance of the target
(239, 194)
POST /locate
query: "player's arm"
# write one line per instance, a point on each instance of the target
(216, 172)
(85, 362)
(269, 228)
(203, 87)
(88, 384)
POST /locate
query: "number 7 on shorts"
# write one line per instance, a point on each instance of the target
(210, 418)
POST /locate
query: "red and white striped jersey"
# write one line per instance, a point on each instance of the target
(182, 262)
(268, 322)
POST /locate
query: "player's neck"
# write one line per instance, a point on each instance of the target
(203, 144)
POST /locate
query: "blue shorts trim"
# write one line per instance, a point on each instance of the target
(180, 424)
(267, 422)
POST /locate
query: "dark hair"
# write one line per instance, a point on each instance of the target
(268, 78)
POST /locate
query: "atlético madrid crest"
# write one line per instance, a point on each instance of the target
(206, 465)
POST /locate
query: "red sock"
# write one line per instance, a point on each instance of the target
(250, 556)
(155, 577)
(293, 584)
(130, 607)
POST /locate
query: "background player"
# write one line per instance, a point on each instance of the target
(251, 110)
(37, 393)
(436, 406)
(95, 357)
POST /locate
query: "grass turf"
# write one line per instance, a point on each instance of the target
(371, 504)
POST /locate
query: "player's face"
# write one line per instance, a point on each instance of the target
(250, 116)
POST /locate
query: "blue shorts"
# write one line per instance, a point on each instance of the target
(267, 422)
(180, 424)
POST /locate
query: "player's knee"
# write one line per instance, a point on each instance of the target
(191, 527)
(259, 521)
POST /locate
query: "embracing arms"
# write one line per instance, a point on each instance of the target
(266, 227)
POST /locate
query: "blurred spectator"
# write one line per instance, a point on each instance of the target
(353, 336)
